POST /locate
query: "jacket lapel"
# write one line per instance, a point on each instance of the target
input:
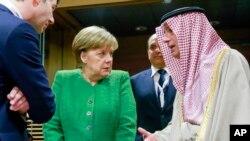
(151, 88)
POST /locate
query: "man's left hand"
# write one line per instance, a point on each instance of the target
(18, 101)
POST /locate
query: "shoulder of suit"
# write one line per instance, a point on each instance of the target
(13, 21)
(141, 73)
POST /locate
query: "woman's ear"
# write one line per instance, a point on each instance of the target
(83, 56)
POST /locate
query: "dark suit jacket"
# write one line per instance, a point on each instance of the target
(20, 65)
(150, 115)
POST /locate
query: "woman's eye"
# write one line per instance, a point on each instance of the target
(101, 53)
(111, 54)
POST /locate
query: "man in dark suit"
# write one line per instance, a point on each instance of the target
(154, 92)
(23, 80)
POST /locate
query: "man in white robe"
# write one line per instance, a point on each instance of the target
(212, 80)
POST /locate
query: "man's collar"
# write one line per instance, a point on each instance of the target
(11, 7)
(154, 70)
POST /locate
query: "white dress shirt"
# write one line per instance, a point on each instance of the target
(156, 77)
(11, 7)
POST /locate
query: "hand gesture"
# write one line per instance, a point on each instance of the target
(146, 135)
(18, 101)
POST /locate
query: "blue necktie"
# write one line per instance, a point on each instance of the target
(161, 80)
(162, 72)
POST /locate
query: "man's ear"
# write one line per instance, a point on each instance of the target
(36, 2)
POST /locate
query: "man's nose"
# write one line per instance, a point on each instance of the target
(51, 20)
(166, 39)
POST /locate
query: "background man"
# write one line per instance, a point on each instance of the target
(154, 92)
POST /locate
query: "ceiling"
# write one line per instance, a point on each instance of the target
(122, 19)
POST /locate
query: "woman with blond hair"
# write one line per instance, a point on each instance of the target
(94, 102)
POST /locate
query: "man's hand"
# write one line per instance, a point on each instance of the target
(18, 101)
(146, 135)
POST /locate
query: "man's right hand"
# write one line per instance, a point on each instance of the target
(18, 101)
(146, 135)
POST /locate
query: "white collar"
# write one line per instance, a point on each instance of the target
(11, 7)
(154, 70)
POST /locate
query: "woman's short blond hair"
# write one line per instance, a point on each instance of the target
(92, 37)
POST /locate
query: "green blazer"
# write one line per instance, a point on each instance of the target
(104, 112)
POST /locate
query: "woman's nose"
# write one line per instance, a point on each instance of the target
(109, 58)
